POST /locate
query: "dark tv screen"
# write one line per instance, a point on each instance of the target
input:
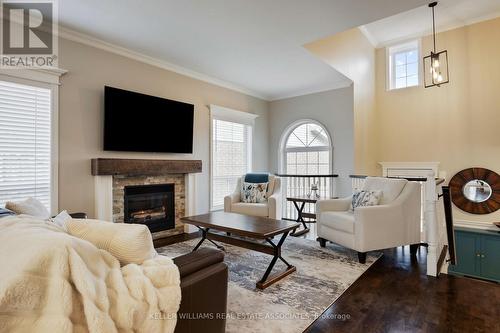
(143, 123)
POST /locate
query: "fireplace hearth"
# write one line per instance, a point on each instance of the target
(152, 205)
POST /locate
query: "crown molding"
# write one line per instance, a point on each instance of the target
(487, 17)
(314, 90)
(85, 39)
(364, 30)
(450, 26)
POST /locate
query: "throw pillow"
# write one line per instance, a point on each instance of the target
(254, 192)
(61, 219)
(30, 206)
(257, 178)
(129, 243)
(5, 212)
(365, 198)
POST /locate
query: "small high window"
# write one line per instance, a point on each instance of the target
(403, 62)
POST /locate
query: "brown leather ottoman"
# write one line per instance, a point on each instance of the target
(204, 277)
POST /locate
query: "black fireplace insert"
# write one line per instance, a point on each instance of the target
(152, 205)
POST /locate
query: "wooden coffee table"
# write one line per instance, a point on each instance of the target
(259, 228)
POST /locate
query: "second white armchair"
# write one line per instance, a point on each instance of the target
(394, 222)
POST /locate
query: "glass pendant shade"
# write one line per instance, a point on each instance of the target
(436, 69)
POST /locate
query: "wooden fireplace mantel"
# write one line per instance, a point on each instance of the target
(140, 167)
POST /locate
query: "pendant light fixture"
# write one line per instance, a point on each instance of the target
(435, 64)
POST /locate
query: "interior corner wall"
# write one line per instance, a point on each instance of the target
(351, 54)
(456, 124)
(81, 114)
(333, 109)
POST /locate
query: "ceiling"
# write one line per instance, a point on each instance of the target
(417, 22)
(254, 46)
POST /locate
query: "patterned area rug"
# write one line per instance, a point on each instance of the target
(292, 303)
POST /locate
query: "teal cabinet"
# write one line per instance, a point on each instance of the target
(478, 253)
(467, 247)
(490, 257)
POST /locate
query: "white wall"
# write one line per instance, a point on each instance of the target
(333, 109)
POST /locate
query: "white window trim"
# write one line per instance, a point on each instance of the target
(48, 79)
(288, 131)
(389, 68)
(227, 114)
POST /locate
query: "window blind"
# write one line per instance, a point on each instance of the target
(25, 143)
(230, 158)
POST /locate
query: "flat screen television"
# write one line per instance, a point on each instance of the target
(143, 123)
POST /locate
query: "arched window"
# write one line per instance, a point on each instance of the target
(306, 159)
(306, 149)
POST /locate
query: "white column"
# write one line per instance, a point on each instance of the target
(103, 194)
(433, 250)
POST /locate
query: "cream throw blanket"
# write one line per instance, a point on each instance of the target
(53, 282)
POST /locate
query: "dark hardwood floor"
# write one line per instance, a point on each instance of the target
(395, 295)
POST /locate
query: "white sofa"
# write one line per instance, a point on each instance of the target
(271, 209)
(394, 222)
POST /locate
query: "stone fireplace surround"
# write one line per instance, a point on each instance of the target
(112, 175)
(120, 181)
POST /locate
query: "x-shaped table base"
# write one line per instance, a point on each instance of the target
(300, 219)
(273, 249)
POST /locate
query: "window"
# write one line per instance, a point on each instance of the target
(25, 143)
(231, 146)
(307, 151)
(306, 159)
(403, 65)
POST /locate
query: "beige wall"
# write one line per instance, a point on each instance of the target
(352, 54)
(81, 117)
(456, 124)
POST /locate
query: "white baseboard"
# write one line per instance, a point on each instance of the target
(475, 224)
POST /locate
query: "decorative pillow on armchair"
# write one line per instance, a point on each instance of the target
(365, 198)
(254, 192)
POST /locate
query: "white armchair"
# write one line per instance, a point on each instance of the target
(394, 222)
(271, 208)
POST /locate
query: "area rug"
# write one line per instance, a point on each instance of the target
(292, 303)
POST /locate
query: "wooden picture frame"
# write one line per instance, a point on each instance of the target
(458, 182)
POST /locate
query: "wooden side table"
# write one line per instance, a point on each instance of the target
(300, 202)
